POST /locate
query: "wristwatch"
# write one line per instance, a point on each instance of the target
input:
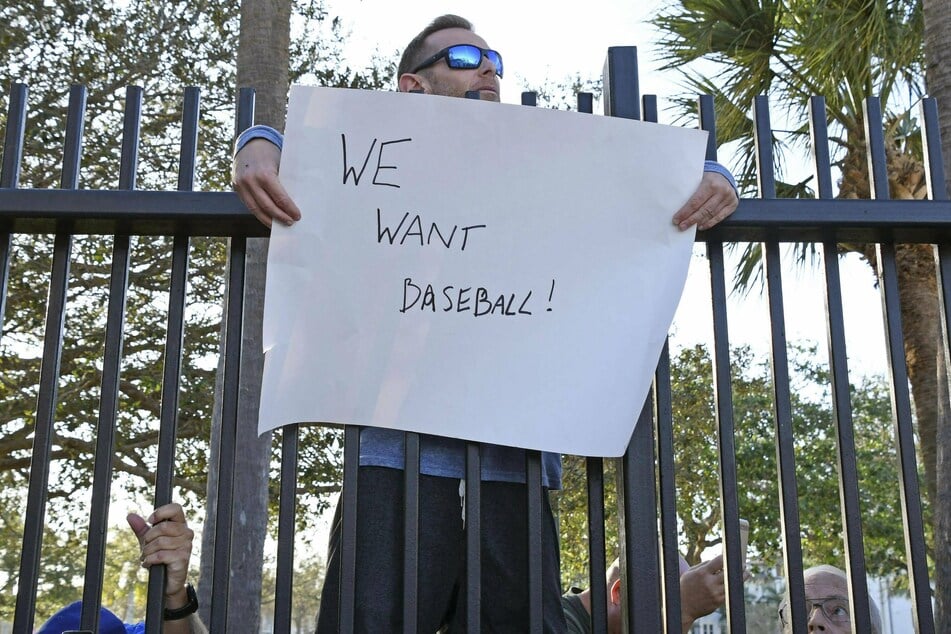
(186, 610)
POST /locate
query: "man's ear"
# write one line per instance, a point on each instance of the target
(615, 594)
(412, 82)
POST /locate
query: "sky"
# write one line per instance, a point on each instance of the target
(535, 40)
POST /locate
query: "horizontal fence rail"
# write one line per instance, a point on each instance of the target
(646, 487)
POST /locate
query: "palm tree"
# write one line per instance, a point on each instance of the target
(845, 50)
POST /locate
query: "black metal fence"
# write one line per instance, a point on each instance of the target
(645, 474)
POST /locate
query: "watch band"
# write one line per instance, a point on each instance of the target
(186, 610)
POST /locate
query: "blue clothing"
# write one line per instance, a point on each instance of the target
(446, 457)
(68, 618)
(440, 456)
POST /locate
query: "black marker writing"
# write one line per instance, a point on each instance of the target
(415, 231)
(350, 170)
(458, 300)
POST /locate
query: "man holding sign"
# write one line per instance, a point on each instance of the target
(447, 58)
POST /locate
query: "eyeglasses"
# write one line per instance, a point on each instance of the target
(836, 609)
(463, 56)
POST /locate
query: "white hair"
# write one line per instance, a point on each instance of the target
(838, 572)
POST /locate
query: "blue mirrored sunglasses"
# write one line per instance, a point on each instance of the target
(463, 56)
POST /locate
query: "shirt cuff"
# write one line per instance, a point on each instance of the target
(265, 132)
(716, 168)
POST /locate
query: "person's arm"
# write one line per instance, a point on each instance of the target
(166, 539)
(254, 175)
(715, 199)
(702, 590)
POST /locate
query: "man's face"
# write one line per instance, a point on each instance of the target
(832, 592)
(452, 82)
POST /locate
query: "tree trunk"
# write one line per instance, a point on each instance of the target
(938, 71)
(937, 17)
(263, 64)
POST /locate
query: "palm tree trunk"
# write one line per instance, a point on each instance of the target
(938, 72)
(937, 18)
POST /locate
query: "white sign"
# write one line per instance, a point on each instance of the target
(470, 269)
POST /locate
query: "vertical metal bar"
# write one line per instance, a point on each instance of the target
(595, 489)
(174, 337)
(649, 108)
(597, 563)
(586, 102)
(234, 319)
(43, 436)
(229, 426)
(919, 585)
(473, 537)
(905, 439)
(640, 572)
(666, 472)
(533, 486)
(785, 454)
(411, 533)
(819, 135)
(841, 401)
(533, 537)
(111, 364)
(931, 133)
(763, 138)
(596, 556)
(620, 80)
(723, 395)
(473, 522)
(635, 476)
(348, 529)
(39, 470)
(13, 137)
(52, 344)
(10, 176)
(284, 586)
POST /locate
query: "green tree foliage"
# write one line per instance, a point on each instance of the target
(162, 47)
(845, 51)
(790, 50)
(695, 446)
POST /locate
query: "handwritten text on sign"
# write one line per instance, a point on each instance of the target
(420, 212)
(475, 301)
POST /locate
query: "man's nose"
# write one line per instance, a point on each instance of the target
(486, 67)
(816, 620)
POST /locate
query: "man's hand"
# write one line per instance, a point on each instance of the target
(166, 539)
(714, 200)
(702, 590)
(254, 175)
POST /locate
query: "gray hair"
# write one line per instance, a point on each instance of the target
(876, 617)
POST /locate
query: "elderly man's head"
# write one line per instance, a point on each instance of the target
(827, 603)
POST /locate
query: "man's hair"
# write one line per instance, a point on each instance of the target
(414, 52)
(876, 618)
(613, 573)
